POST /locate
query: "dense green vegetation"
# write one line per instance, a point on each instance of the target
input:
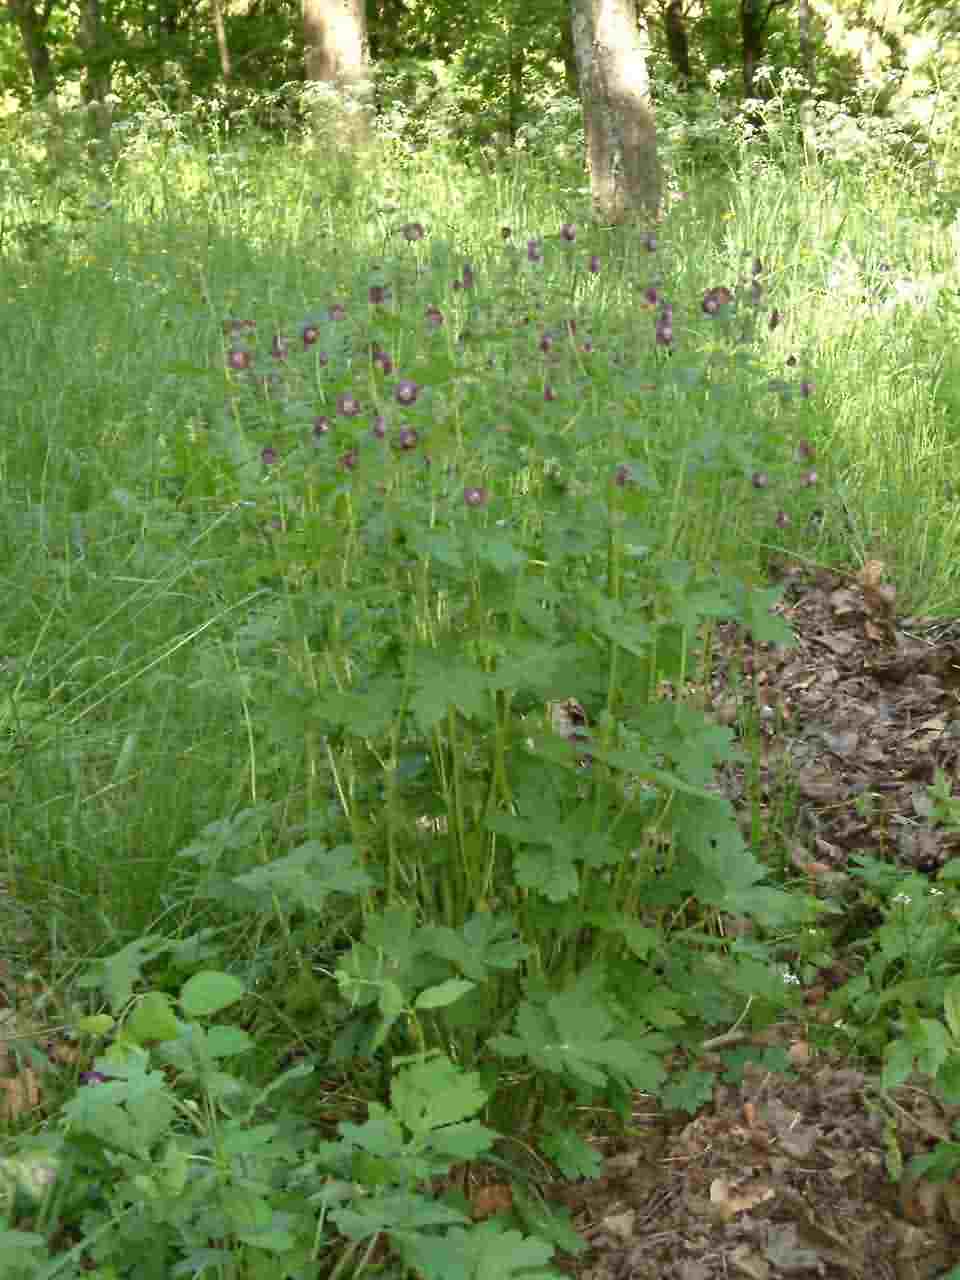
(328, 478)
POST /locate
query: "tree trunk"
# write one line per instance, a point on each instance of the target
(617, 112)
(518, 59)
(751, 33)
(336, 54)
(675, 26)
(98, 71)
(223, 48)
(33, 32)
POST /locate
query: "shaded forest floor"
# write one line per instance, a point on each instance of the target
(790, 1174)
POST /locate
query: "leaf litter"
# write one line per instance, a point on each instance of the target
(801, 1173)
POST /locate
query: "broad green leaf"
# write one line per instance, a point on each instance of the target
(97, 1024)
(152, 1019)
(444, 993)
(227, 1042)
(208, 992)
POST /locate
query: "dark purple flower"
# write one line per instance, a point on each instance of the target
(664, 326)
(384, 361)
(238, 358)
(337, 311)
(378, 294)
(321, 426)
(809, 479)
(594, 267)
(93, 1077)
(467, 280)
(549, 393)
(586, 346)
(533, 251)
(716, 298)
(651, 295)
(806, 389)
(806, 450)
(279, 347)
(379, 427)
(268, 456)
(434, 317)
(475, 496)
(310, 333)
(546, 343)
(407, 439)
(413, 231)
(781, 520)
(406, 391)
(623, 475)
(760, 480)
(649, 242)
(348, 460)
(568, 232)
(775, 318)
(347, 405)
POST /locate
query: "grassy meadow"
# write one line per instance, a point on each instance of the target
(326, 480)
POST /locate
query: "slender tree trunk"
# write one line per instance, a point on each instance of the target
(518, 59)
(223, 48)
(678, 46)
(808, 114)
(33, 33)
(751, 34)
(336, 54)
(617, 112)
(99, 69)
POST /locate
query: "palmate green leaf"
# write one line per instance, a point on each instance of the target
(572, 1156)
(487, 1251)
(485, 941)
(547, 870)
(460, 1142)
(443, 679)
(307, 877)
(398, 1211)
(435, 1092)
(571, 1035)
(365, 713)
(117, 975)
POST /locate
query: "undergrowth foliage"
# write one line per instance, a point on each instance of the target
(479, 527)
(495, 896)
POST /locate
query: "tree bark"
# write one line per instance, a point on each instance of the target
(33, 33)
(617, 112)
(336, 53)
(98, 72)
(223, 46)
(678, 46)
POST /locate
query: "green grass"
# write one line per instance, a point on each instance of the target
(187, 617)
